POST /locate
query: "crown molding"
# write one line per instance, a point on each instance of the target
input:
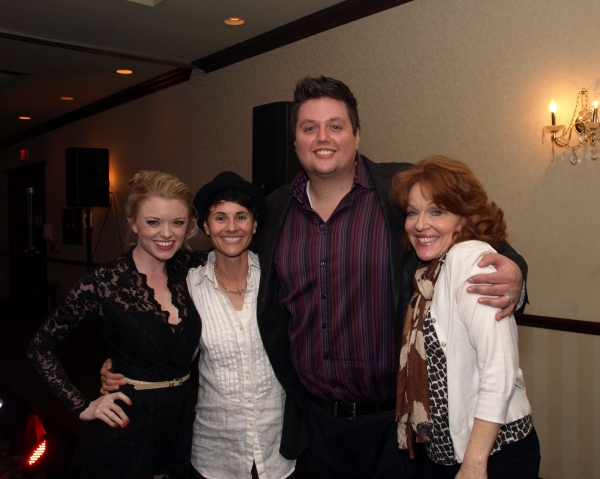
(318, 22)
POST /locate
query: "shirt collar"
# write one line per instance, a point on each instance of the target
(208, 271)
(361, 178)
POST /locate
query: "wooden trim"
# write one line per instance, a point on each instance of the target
(70, 262)
(153, 85)
(318, 22)
(8, 72)
(93, 50)
(559, 324)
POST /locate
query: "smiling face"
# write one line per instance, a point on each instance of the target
(231, 228)
(160, 226)
(430, 229)
(325, 143)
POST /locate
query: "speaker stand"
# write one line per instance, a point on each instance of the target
(88, 238)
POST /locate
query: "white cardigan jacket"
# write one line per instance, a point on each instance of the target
(484, 379)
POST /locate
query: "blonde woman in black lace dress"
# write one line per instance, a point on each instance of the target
(151, 327)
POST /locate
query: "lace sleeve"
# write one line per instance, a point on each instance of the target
(186, 259)
(82, 304)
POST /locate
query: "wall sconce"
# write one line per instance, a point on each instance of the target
(585, 123)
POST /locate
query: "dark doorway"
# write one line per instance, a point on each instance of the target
(27, 248)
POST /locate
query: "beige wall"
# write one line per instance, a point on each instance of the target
(467, 79)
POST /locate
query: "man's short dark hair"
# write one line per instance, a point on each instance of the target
(309, 88)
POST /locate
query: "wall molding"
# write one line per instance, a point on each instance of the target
(92, 50)
(559, 324)
(169, 79)
(318, 22)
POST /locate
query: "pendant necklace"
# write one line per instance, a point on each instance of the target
(238, 292)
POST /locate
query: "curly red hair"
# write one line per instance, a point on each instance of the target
(453, 186)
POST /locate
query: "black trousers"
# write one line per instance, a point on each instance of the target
(518, 460)
(366, 448)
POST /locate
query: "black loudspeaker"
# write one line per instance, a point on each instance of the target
(87, 177)
(274, 160)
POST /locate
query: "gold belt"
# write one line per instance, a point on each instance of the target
(157, 385)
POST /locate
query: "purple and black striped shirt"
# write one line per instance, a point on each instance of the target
(335, 283)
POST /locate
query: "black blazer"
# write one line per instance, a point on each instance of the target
(273, 318)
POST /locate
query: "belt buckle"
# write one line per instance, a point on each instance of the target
(352, 412)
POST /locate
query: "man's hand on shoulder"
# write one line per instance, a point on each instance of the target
(501, 289)
(110, 381)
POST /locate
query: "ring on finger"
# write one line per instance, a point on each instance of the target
(510, 300)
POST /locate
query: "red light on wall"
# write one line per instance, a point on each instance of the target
(24, 154)
(39, 452)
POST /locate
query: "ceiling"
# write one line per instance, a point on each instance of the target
(52, 49)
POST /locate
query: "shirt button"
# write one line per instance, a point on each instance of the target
(322, 263)
(444, 343)
(324, 325)
(250, 424)
(433, 320)
(247, 377)
(246, 306)
(323, 232)
(256, 448)
(244, 353)
(249, 400)
(323, 296)
(241, 328)
(326, 356)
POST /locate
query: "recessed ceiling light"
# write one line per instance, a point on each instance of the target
(67, 98)
(24, 118)
(234, 21)
(124, 72)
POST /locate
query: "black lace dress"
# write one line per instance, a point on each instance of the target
(143, 346)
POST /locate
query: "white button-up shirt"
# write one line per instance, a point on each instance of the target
(239, 414)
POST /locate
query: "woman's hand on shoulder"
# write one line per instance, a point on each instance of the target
(105, 409)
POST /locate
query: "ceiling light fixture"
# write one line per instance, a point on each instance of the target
(234, 21)
(124, 72)
(67, 98)
(24, 118)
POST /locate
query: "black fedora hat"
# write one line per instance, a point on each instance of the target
(225, 180)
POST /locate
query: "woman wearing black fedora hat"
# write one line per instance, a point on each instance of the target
(239, 414)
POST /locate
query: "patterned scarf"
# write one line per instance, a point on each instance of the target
(412, 393)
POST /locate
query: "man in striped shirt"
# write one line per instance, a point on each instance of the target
(334, 292)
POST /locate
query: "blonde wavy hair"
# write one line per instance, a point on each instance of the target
(146, 184)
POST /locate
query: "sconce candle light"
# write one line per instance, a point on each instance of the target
(584, 121)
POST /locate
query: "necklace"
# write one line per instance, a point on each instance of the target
(239, 291)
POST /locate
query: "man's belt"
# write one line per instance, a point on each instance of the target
(350, 410)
